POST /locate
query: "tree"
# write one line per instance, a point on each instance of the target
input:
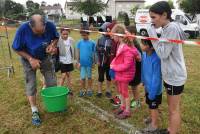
(33, 8)
(2, 6)
(56, 4)
(11, 9)
(190, 6)
(134, 9)
(88, 7)
(147, 6)
(123, 16)
(126, 20)
(171, 4)
(43, 3)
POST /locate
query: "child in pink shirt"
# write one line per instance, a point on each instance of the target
(124, 67)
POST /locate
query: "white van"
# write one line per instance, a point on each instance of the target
(143, 20)
(198, 19)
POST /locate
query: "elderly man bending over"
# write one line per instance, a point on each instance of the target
(34, 41)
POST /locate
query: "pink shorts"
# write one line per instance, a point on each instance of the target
(123, 88)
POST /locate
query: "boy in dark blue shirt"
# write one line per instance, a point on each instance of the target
(151, 78)
(103, 50)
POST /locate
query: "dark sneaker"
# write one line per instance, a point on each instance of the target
(123, 115)
(36, 119)
(118, 111)
(151, 130)
(108, 95)
(115, 101)
(147, 121)
(148, 130)
(99, 95)
(89, 93)
(81, 93)
(163, 131)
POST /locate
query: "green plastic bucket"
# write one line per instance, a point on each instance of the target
(55, 98)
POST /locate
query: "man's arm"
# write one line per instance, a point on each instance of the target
(24, 55)
(35, 63)
(18, 47)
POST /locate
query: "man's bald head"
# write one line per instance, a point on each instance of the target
(37, 23)
(37, 20)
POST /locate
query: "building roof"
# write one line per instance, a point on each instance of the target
(52, 10)
(57, 7)
(70, 2)
(142, 1)
(130, 0)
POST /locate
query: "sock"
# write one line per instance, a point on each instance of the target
(120, 97)
(108, 90)
(127, 111)
(99, 91)
(34, 109)
(89, 90)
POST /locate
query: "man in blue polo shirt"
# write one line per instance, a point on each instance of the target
(35, 41)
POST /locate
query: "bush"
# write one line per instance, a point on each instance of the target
(123, 16)
(126, 20)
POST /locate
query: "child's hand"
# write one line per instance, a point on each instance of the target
(78, 65)
(35, 63)
(111, 66)
(93, 65)
(98, 63)
(138, 58)
(112, 73)
(142, 84)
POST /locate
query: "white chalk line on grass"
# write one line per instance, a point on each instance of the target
(105, 116)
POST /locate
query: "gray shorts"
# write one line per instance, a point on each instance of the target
(47, 70)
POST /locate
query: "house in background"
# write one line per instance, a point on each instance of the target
(114, 7)
(53, 13)
(69, 13)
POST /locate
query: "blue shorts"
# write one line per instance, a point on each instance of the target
(86, 72)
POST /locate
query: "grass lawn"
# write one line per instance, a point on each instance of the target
(15, 112)
(70, 22)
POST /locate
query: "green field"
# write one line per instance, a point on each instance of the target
(15, 112)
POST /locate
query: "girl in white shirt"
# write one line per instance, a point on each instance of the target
(66, 57)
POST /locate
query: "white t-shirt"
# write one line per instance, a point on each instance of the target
(67, 59)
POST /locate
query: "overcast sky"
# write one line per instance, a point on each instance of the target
(62, 2)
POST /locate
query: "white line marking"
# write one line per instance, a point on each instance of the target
(105, 116)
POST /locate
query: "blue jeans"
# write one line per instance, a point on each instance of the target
(86, 72)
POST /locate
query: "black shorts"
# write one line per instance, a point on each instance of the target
(102, 70)
(153, 104)
(137, 79)
(66, 68)
(173, 90)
